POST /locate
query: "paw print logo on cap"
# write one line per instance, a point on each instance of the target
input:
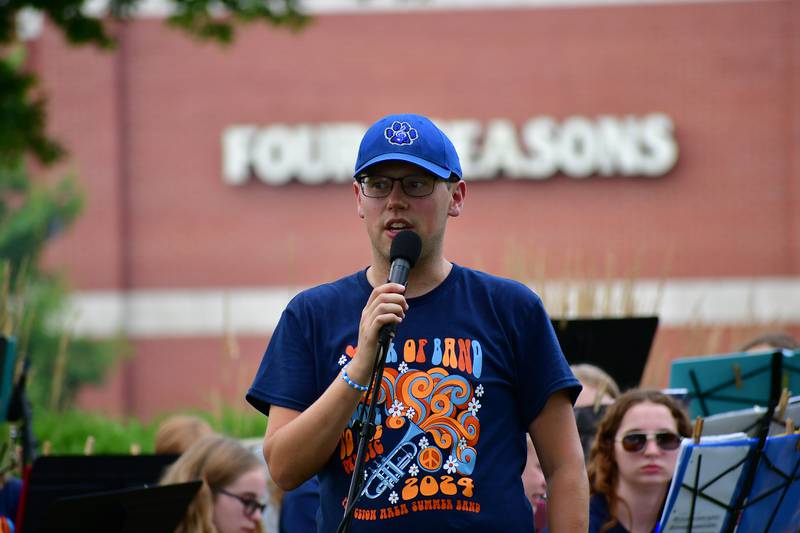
(400, 133)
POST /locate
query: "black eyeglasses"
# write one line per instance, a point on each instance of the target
(635, 442)
(416, 186)
(250, 504)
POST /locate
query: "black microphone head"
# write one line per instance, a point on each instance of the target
(406, 245)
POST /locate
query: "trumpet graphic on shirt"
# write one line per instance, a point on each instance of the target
(393, 467)
(436, 404)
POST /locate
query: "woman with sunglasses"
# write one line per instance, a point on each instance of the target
(234, 488)
(632, 461)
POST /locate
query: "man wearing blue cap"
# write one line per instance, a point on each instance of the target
(474, 365)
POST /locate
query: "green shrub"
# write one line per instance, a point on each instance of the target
(67, 432)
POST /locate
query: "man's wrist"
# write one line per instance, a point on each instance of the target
(357, 373)
(361, 387)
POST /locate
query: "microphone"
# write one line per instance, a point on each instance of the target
(403, 254)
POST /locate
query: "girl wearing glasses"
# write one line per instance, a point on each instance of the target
(234, 488)
(632, 460)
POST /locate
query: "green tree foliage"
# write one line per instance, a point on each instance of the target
(33, 211)
(22, 119)
(202, 18)
(84, 361)
(22, 114)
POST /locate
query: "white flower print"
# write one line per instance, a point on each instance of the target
(451, 465)
(413, 470)
(410, 412)
(479, 391)
(342, 360)
(402, 367)
(462, 443)
(397, 408)
(393, 498)
(474, 406)
(423, 443)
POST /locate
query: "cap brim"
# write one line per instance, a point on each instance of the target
(427, 165)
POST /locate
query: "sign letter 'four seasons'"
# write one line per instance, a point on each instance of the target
(579, 147)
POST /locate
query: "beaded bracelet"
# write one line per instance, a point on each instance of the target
(350, 382)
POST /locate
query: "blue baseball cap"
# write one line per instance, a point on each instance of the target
(411, 138)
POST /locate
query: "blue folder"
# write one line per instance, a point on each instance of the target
(773, 505)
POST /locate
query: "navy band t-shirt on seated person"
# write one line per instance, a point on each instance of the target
(472, 365)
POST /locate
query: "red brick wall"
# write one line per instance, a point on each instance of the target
(723, 72)
(144, 124)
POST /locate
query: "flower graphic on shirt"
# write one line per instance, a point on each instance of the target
(474, 406)
(342, 360)
(393, 498)
(451, 465)
(479, 391)
(423, 443)
(462, 443)
(410, 412)
(413, 470)
(402, 367)
(397, 408)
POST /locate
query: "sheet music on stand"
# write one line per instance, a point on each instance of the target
(709, 477)
(722, 383)
(705, 484)
(747, 420)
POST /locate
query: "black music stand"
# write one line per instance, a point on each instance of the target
(56, 477)
(620, 346)
(153, 509)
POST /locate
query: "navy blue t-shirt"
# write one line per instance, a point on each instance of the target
(299, 508)
(599, 515)
(472, 365)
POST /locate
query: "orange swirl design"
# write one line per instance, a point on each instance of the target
(435, 401)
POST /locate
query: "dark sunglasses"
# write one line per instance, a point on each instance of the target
(250, 504)
(635, 442)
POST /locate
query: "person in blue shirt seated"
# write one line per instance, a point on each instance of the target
(299, 508)
(632, 461)
(10, 491)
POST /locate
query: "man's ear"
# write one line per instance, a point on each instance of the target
(359, 207)
(457, 194)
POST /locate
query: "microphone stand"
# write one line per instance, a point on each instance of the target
(404, 253)
(367, 427)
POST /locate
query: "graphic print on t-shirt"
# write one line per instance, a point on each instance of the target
(436, 412)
